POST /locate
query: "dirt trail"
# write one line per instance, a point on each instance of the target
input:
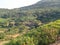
(3, 42)
(57, 42)
(14, 36)
(1, 31)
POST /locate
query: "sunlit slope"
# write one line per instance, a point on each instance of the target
(53, 26)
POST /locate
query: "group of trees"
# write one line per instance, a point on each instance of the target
(43, 35)
(41, 26)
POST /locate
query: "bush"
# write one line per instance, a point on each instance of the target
(2, 35)
(22, 41)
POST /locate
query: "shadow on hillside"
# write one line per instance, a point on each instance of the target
(49, 17)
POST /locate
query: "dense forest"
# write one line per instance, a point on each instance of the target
(28, 26)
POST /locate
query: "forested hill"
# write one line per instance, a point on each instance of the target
(37, 24)
(43, 4)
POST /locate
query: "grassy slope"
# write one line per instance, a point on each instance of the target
(54, 25)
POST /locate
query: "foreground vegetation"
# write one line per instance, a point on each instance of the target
(43, 35)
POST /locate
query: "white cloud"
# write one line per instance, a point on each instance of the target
(16, 3)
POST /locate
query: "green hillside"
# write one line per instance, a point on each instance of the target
(38, 24)
(31, 27)
(43, 4)
(42, 35)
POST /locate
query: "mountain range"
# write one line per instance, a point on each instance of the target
(43, 4)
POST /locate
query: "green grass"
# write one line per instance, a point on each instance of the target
(55, 24)
(3, 20)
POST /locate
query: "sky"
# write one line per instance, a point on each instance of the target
(10, 4)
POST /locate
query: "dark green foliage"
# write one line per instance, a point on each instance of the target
(2, 35)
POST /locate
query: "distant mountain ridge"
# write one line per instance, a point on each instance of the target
(42, 4)
(50, 0)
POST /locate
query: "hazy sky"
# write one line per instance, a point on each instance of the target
(16, 3)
